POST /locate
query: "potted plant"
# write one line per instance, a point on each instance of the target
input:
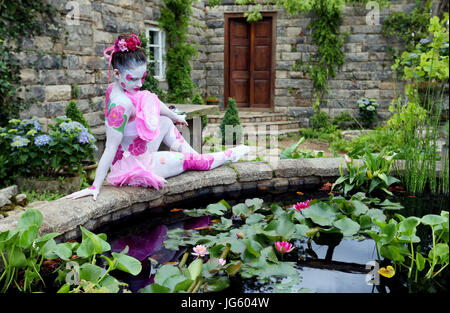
(211, 100)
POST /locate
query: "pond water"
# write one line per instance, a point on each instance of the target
(344, 268)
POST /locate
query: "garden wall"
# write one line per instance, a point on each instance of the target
(78, 57)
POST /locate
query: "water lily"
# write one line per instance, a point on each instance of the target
(299, 206)
(200, 250)
(240, 235)
(387, 271)
(221, 262)
(284, 247)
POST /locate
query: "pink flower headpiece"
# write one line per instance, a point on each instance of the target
(121, 45)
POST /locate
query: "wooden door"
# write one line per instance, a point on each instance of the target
(249, 62)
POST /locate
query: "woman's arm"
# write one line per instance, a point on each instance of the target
(177, 119)
(114, 133)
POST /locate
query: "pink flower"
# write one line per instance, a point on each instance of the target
(120, 45)
(221, 262)
(131, 43)
(200, 250)
(240, 235)
(119, 155)
(115, 116)
(138, 146)
(283, 247)
(299, 206)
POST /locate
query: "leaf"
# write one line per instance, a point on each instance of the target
(320, 213)
(31, 217)
(154, 288)
(254, 218)
(253, 247)
(195, 268)
(432, 219)
(218, 283)
(256, 203)
(387, 271)
(388, 205)
(216, 208)
(90, 272)
(241, 209)
(63, 252)
(28, 236)
(420, 262)
(127, 263)
(347, 226)
(408, 225)
(165, 272)
(360, 208)
(17, 258)
(287, 154)
(376, 213)
(348, 187)
(233, 268)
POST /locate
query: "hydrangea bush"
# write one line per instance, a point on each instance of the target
(27, 151)
(367, 111)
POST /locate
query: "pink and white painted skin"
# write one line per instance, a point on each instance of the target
(136, 124)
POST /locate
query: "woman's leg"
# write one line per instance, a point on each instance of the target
(168, 163)
(170, 135)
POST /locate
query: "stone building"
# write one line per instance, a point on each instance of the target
(251, 62)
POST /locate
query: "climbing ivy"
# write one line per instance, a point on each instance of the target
(174, 19)
(19, 22)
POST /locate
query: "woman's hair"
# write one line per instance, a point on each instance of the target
(124, 59)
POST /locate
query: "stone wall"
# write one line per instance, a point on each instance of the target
(366, 71)
(78, 59)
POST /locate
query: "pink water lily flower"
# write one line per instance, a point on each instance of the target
(284, 247)
(200, 250)
(299, 206)
(222, 262)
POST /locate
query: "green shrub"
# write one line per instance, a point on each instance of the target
(74, 114)
(231, 117)
(367, 111)
(197, 99)
(319, 120)
(345, 121)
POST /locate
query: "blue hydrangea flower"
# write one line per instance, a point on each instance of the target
(42, 140)
(94, 147)
(72, 126)
(19, 141)
(424, 41)
(35, 123)
(85, 137)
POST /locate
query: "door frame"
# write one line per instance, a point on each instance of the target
(227, 17)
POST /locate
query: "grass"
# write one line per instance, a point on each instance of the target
(33, 196)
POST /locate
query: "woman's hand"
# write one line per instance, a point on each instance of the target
(91, 191)
(180, 120)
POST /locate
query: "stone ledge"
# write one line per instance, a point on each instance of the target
(64, 216)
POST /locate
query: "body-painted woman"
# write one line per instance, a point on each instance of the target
(136, 123)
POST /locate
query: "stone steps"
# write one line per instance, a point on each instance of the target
(252, 117)
(256, 124)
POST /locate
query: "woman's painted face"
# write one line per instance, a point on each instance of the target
(132, 78)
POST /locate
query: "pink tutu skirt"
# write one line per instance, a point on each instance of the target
(135, 171)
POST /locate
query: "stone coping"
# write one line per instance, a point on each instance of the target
(64, 215)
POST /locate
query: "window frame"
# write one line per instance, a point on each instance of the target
(161, 76)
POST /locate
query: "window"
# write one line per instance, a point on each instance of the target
(157, 44)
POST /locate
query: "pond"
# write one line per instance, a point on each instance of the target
(323, 266)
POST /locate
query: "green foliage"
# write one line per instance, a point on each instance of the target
(372, 175)
(23, 254)
(292, 153)
(247, 232)
(29, 152)
(396, 240)
(231, 122)
(417, 119)
(345, 120)
(410, 27)
(75, 114)
(367, 111)
(174, 19)
(319, 120)
(19, 21)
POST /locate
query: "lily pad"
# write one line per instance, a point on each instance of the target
(320, 213)
(347, 226)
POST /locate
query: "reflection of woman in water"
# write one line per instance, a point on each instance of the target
(136, 124)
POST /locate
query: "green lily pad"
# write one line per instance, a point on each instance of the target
(320, 213)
